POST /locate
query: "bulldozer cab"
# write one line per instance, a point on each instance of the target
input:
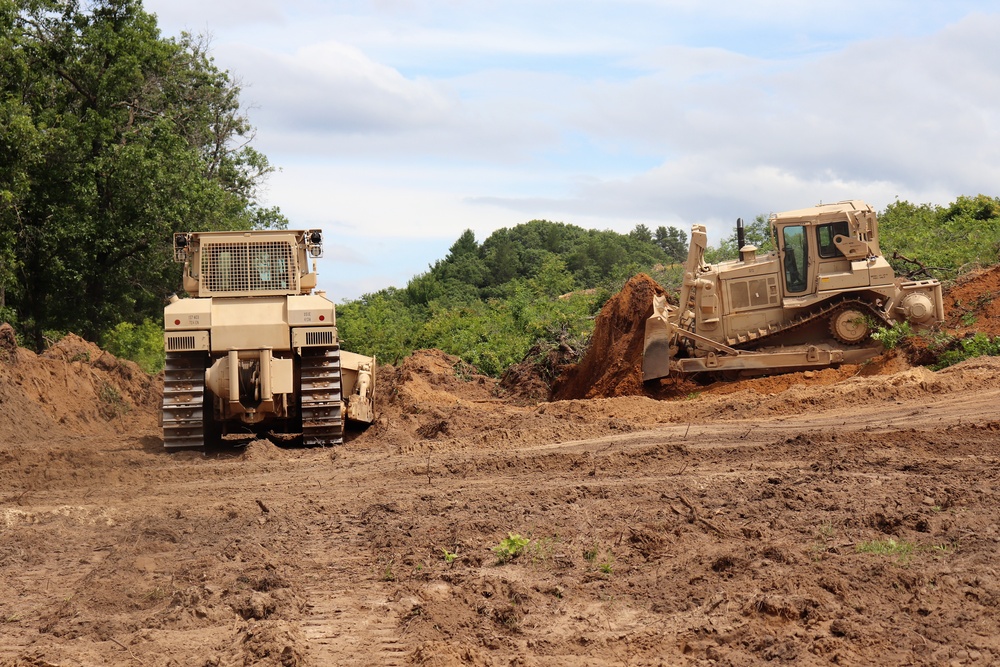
(824, 248)
(240, 264)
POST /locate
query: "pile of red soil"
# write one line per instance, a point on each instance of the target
(612, 365)
(972, 303)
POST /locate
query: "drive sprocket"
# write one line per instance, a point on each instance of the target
(849, 325)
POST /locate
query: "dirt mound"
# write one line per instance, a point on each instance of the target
(74, 387)
(530, 382)
(612, 365)
(971, 304)
(431, 378)
(8, 344)
(425, 397)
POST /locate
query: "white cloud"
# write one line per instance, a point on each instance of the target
(211, 15)
(333, 87)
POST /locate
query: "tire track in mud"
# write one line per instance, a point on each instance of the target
(349, 620)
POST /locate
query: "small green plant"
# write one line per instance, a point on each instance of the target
(449, 556)
(968, 319)
(387, 573)
(891, 547)
(892, 336)
(112, 403)
(601, 559)
(510, 548)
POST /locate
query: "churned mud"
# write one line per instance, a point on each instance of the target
(845, 516)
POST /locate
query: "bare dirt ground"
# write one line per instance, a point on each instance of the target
(730, 524)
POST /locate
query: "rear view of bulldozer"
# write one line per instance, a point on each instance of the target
(812, 302)
(254, 347)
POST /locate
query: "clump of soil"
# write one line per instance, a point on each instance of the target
(971, 304)
(530, 381)
(612, 365)
(8, 344)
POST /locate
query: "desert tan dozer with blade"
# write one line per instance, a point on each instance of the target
(254, 347)
(809, 303)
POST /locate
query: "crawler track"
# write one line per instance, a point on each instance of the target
(184, 400)
(762, 337)
(321, 396)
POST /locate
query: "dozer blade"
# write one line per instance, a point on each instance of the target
(656, 349)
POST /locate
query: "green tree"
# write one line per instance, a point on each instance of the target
(641, 233)
(112, 139)
(673, 242)
(379, 324)
(553, 278)
(500, 254)
(945, 239)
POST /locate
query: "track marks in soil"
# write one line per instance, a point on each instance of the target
(351, 622)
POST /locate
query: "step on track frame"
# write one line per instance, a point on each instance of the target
(185, 406)
(321, 397)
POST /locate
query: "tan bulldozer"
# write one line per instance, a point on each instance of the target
(255, 345)
(812, 302)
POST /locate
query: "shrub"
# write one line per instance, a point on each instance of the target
(978, 345)
(141, 343)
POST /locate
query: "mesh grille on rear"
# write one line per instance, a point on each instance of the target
(177, 343)
(237, 267)
(319, 338)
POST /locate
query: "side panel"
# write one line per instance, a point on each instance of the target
(752, 296)
(310, 310)
(843, 274)
(188, 315)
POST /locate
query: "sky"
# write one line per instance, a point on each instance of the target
(397, 124)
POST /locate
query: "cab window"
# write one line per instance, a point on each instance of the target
(826, 234)
(796, 261)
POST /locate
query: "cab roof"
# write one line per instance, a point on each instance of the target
(824, 212)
